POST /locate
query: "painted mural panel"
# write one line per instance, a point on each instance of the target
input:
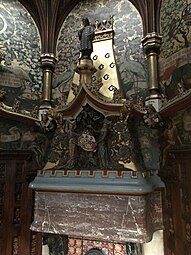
(17, 136)
(20, 75)
(130, 59)
(176, 132)
(175, 54)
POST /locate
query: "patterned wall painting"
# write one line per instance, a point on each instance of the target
(17, 136)
(175, 65)
(130, 59)
(20, 75)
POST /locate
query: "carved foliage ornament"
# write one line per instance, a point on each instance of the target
(92, 141)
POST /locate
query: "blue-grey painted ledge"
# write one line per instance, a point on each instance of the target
(97, 181)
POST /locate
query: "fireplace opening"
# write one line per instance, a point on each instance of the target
(94, 251)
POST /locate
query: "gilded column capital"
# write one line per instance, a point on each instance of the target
(152, 42)
(48, 60)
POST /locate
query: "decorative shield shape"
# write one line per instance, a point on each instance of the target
(87, 142)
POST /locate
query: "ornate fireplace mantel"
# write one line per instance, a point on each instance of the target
(94, 185)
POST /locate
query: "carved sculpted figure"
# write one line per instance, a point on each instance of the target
(102, 149)
(72, 135)
(86, 35)
(170, 138)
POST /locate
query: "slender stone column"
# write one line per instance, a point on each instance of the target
(151, 44)
(48, 62)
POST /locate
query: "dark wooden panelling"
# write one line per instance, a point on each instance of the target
(177, 202)
(16, 205)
